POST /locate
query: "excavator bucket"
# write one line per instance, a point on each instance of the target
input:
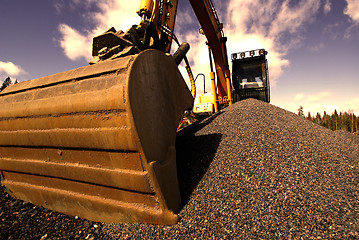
(98, 141)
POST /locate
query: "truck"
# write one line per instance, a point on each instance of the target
(250, 75)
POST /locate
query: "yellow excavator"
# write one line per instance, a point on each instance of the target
(98, 141)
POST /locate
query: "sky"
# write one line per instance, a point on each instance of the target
(312, 44)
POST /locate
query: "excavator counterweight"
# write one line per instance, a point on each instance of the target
(97, 141)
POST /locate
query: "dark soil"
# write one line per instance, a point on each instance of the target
(252, 171)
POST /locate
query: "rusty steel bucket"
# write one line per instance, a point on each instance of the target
(98, 141)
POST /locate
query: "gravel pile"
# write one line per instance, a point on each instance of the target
(252, 171)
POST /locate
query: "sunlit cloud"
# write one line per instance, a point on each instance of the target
(313, 108)
(299, 96)
(77, 43)
(318, 96)
(352, 10)
(115, 13)
(312, 97)
(278, 29)
(11, 69)
(352, 105)
(319, 102)
(74, 44)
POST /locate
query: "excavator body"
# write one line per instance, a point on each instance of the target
(98, 141)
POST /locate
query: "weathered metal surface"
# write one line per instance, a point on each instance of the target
(98, 141)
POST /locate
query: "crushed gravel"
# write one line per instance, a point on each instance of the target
(252, 171)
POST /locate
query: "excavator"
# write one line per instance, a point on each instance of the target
(98, 142)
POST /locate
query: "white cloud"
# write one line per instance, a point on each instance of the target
(273, 25)
(351, 105)
(318, 96)
(310, 98)
(74, 44)
(10, 69)
(291, 18)
(184, 21)
(313, 108)
(352, 10)
(327, 6)
(299, 96)
(77, 43)
(115, 13)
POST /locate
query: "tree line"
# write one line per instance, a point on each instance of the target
(347, 121)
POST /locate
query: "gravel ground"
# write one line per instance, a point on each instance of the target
(252, 171)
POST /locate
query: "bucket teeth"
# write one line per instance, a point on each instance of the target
(97, 141)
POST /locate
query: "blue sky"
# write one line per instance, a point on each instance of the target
(312, 44)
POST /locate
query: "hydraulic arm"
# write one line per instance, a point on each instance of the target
(213, 30)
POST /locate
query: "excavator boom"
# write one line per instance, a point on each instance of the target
(213, 30)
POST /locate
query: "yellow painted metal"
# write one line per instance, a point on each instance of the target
(97, 141)
(165, 17)
(212, 29)
(229, 89)
(191, 79)
(204, 103)
(214, 91)
(146, 8)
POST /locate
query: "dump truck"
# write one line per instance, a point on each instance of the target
(250, 75)
(98, 142)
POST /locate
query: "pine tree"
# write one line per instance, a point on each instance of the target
(318, 118)
(300, 111)
(6, 83)
(309, 117)
(346, 121)
(324, 120)
(335, 117)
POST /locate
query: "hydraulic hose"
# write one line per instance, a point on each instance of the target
(191, 78)
(180, 55)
